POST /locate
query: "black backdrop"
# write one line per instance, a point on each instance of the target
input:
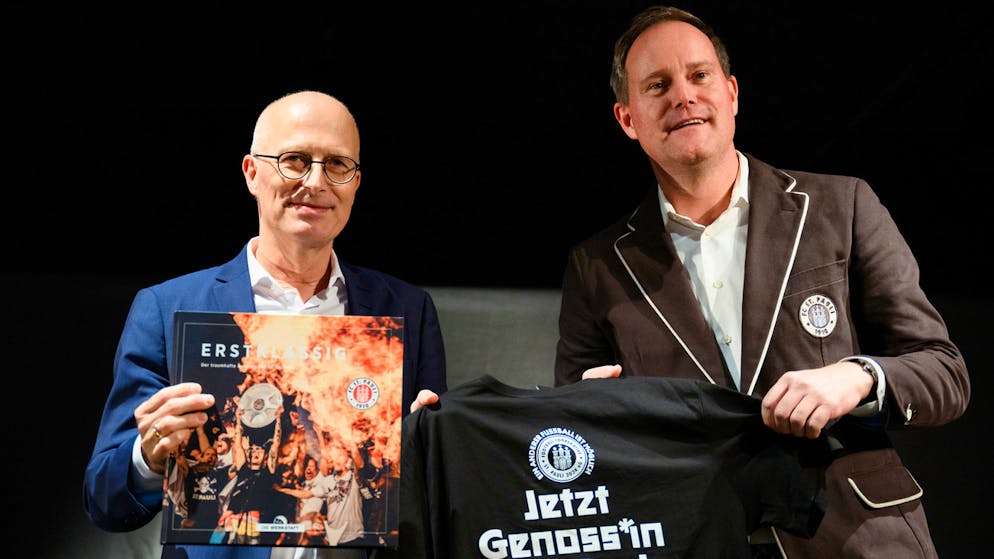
(488, 148)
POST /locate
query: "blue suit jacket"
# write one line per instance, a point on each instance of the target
(144, 359)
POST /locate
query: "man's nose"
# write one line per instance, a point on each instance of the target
(683, 94)
(315, 179)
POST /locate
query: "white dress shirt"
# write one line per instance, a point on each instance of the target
(714, 256)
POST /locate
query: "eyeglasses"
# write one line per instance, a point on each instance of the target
(294, 165)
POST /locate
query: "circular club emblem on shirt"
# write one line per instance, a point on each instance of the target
(363, 393)
(818, 315)
(560, 455)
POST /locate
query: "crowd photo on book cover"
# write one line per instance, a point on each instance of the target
(302, 446)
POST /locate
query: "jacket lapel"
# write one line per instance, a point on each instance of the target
(359, 291)
(776, 220)
(233, 290)
(648, 254)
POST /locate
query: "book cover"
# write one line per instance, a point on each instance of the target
(302, 446)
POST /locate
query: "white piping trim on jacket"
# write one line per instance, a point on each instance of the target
(783, 286)
(776, 538)
(884, 504)
(653, 305)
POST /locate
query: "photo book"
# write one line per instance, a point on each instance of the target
(302, 445)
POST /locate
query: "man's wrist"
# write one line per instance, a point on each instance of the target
(146, 483)
(872, 371)
(874, 401)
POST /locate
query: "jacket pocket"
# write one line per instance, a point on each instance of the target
(886, 487)
(815, 278)
(873, 509)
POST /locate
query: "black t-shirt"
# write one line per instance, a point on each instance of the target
(631, 468)
(202, 490)
(254, 491)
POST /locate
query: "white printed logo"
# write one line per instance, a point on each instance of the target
(818, 315)
(560, 454)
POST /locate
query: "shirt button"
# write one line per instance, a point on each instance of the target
(727, 339)
(717, 284)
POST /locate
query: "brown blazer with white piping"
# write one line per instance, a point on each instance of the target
(627, 299)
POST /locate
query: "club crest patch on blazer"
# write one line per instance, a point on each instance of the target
(818, 315)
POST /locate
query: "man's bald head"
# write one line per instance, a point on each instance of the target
(300, 111)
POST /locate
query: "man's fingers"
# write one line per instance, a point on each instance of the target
(425, 398)
(604, 371)
(770, 404)
(778, 409)
(817, 421)
(800, 417)
(167, 394)
(168, 418)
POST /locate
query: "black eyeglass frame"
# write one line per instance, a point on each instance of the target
(310, 165)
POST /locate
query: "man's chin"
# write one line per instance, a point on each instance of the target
(312, 233)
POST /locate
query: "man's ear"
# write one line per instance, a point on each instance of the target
(733, 90)
(249, 171)
(624, 118)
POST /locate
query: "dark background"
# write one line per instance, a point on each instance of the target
(488, 148)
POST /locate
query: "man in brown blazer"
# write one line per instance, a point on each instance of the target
(791, 286)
